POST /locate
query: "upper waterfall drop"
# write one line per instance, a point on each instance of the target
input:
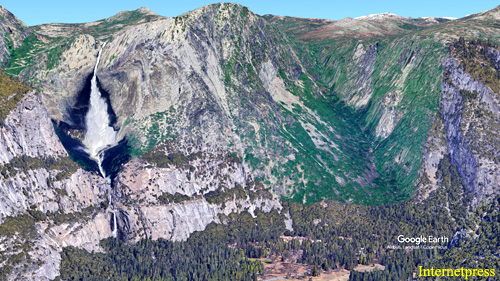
(99, 134)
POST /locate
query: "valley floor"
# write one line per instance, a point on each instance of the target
(288, 272)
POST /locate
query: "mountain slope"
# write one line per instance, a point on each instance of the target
(312, 115)
(395, 84)
(12, 33)
(191, 72)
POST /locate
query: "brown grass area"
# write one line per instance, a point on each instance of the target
(282, 269)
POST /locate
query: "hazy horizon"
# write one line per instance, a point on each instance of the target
(60, 12)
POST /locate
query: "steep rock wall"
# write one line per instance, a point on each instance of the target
(471, 114)
(38, 177)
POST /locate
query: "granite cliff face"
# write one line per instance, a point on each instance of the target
(225, 111)
(70, 203)
(28, 134)
(466, 127)
(38, 177)
(196, 80)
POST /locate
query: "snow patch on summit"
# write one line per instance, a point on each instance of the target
(382, 16)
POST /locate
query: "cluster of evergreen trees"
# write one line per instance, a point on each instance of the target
(207, 256)
(159, 260)
(336, 236)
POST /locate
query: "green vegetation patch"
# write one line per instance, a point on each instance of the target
(165, 155)
(24, 163)
(375, 170)
(24, 55)
(11, 92)
(167, 198)
(85, 215)
(21, 227)
(474, 58)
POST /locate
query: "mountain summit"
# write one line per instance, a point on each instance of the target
(382, 16)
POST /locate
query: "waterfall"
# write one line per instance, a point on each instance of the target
(114, 231)
(99, 135)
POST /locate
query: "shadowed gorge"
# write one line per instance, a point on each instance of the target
(89, 132)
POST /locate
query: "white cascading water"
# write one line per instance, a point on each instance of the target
(99, 135)
(114, 231)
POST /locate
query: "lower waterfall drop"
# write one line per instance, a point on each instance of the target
(114, 231)
(99, 134)
(114, 227)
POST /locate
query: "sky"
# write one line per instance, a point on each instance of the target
(63, 11)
